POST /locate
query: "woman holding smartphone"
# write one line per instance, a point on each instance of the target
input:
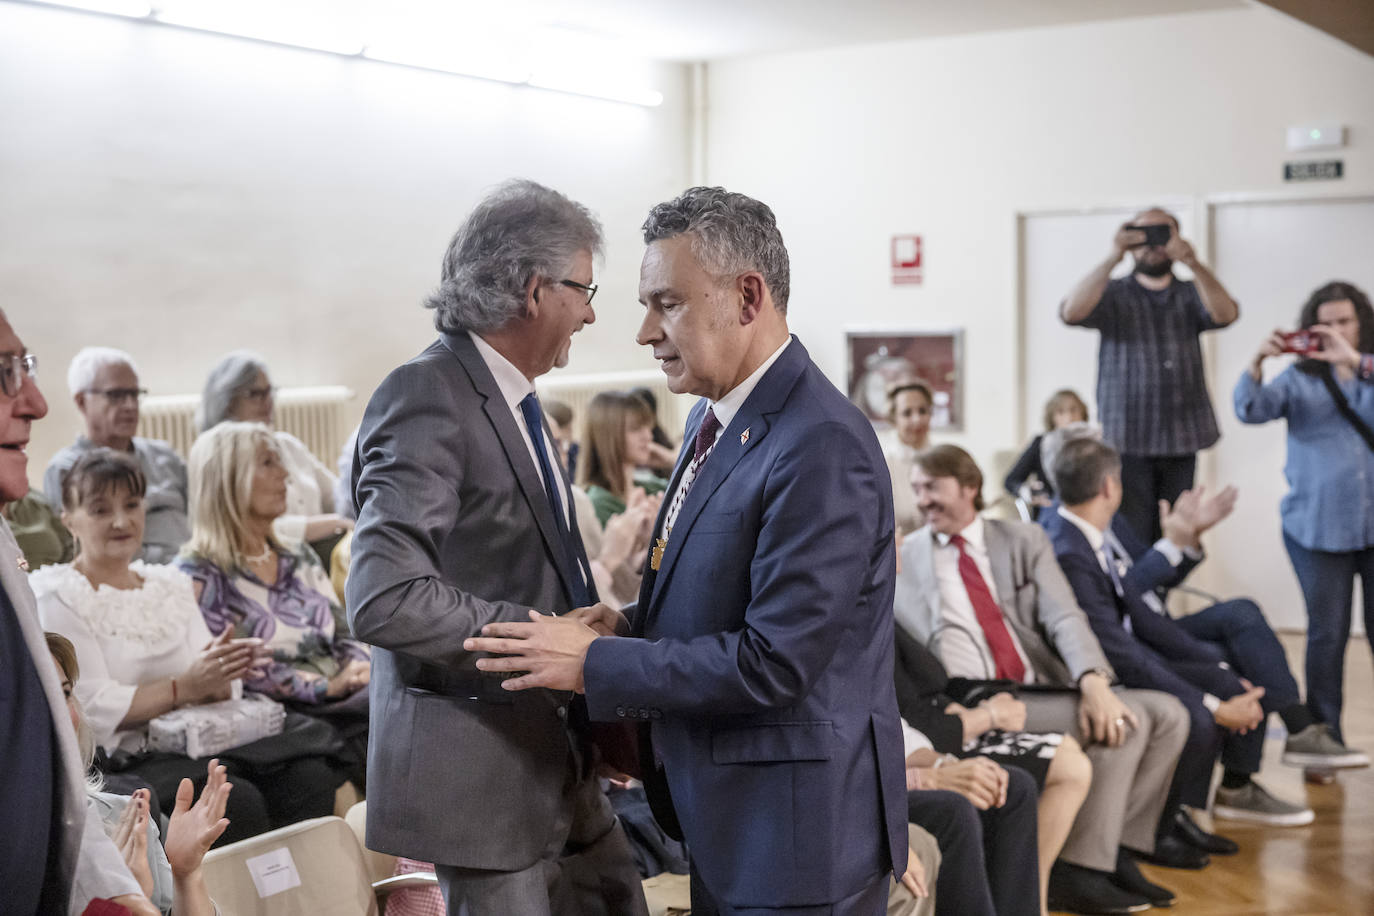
(144, 650)
(1327, 399)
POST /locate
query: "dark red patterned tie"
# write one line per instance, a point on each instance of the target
(989, 615)
(706, 436)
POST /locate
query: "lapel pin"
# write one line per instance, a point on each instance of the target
(22, 563)
(744, 437)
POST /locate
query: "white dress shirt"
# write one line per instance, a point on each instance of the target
(725, 410)
(963, 646)
(514, 388)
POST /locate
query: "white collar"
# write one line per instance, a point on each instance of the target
(729, 405)
(974, 535)
(1090, 531)
(512, 382)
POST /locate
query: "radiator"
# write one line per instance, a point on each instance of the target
(577, 391)
(314, 415)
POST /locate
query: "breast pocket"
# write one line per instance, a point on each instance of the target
(717, 523)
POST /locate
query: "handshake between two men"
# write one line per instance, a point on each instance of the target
(550, 650)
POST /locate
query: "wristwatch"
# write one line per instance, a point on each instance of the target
(1106, 675)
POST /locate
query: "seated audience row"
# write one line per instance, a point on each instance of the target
(1003, 606)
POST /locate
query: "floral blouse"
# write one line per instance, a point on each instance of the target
(298, 618)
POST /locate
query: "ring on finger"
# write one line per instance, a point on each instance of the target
(1120, 722)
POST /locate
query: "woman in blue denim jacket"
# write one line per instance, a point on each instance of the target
(1328, 514)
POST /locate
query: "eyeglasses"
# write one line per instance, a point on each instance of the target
(590, 290)
(120, 395)
(258, 394)
(13, 369)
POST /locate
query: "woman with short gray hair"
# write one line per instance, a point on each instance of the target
(239, 388)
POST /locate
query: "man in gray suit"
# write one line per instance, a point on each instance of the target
(465, 517)
(990, 601)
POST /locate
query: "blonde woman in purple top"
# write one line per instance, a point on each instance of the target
(247, 580)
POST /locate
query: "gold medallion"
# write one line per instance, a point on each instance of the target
(656, 559)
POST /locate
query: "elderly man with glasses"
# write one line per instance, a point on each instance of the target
(104, 385)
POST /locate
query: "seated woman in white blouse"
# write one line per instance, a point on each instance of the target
(238, 388)
(145, 650)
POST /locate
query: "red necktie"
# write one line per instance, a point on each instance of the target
(989, 616)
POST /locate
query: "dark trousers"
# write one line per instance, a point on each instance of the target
(1145, 480)
(1327, 579)
(262, 799)
(988, 860)
(870, 900)
(1250, 647)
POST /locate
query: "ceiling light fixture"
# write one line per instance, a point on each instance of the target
(501, 72)
(131, 9)
(277, 33)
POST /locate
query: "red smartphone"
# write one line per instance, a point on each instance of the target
(1303, 343)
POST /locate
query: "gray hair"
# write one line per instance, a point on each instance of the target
(731, 234)
(1055, 440)
(88, 362)
(1080, 468)
(231, 375)
(519, 231)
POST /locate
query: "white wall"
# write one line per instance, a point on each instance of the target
(952, 137)
(179, 195)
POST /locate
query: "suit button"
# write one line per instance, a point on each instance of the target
(620, 711)
(643, 713)
(562, 712)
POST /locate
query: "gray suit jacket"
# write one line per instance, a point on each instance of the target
(68, 774)
(454, 531)
(1037, 602)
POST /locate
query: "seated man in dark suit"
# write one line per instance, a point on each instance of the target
(1149, 649)
(993, 727)
(1236, 627)
(983, 816)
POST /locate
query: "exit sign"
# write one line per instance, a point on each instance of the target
(1319, 170)
(907, 257)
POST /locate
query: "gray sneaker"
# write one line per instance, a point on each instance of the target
(1315, 746)
(1252, 803)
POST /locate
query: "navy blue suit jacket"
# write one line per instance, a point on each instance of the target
(764, 663)
(1159, 655)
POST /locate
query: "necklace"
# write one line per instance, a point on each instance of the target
(260, 557)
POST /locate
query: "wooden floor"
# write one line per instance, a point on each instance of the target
(1324, 869)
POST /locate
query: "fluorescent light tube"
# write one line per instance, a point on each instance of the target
(134, 9)
(275, 32)
(447, 62)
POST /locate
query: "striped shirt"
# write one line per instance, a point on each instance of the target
(1152, 397)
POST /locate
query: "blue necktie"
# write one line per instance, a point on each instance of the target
(534, 422)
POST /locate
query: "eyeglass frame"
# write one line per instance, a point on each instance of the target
(21, 366)
(257, 394)
(590, 290)
(119, 395)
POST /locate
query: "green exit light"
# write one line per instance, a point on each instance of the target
(1315, 134)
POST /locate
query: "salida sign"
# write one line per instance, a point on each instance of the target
(906, 259)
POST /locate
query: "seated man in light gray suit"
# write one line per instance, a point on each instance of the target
(465, 517)
(990, 601)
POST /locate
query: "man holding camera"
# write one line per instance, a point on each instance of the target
(1152, 397)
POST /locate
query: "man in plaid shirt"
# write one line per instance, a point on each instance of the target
(1152, 397)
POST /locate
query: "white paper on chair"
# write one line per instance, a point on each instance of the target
(273, 872)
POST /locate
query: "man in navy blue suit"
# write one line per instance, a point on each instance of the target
(760, 651)
(1214, 670)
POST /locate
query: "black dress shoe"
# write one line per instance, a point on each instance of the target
(1129, 879)
(1171, 852)
(1187, 830)
(1075, 889)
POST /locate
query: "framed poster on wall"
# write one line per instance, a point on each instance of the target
(878, 359)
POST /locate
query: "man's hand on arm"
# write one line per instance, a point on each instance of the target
(1101, 714)
(602, 618)
(550, 650)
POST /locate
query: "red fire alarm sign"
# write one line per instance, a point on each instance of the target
(906, 259)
